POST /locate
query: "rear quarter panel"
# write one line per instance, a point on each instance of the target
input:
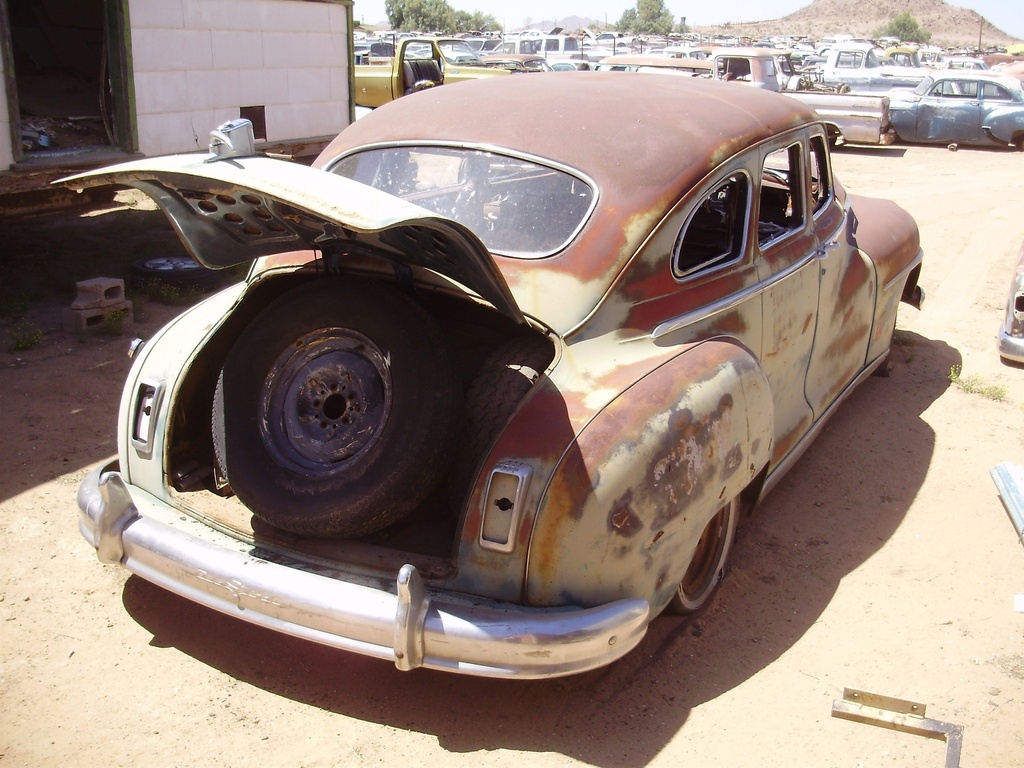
(628, 500)
(890, 239)
(1004, 124)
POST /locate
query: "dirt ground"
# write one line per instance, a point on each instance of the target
(884, 562)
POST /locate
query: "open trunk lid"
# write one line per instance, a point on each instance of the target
(233, 210)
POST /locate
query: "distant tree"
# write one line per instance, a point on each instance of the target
(484, 22)
(650, 17)
(627, 22)
(654, 17)
(435, 15)
(422, 15)
(906, 28)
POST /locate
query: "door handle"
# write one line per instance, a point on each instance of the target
(823, 250)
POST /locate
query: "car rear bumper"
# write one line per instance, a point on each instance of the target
(1011, 347)
(403, 621)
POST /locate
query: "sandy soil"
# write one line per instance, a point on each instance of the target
(884, 562)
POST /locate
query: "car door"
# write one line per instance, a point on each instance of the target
(950, 111)
(846, 289)
(788, 271)
(849, 68)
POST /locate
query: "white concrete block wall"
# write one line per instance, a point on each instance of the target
(6, 150)
(196, 62)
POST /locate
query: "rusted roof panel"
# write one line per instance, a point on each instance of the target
(645, 140)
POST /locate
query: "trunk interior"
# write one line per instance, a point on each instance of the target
(473, 330)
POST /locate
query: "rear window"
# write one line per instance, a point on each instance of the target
(516, 206)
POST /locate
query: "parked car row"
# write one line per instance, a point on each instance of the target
(951, 106)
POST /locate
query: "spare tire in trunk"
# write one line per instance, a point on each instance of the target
(335, 412)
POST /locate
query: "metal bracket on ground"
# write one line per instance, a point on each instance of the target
(1009, 480)
(899, 715)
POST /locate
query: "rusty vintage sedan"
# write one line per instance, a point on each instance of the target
(494, 393)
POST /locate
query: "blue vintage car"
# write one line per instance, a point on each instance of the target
(961, 107)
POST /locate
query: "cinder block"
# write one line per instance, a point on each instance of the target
(98, 292)
(82, 320)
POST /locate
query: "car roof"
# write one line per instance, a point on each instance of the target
(649, 60)
(645, 140)
(623, 130)
(512, 57)
(749, 52)
(984, 75)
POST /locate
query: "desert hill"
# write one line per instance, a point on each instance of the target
(948, 24)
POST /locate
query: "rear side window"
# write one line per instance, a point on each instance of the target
(781, 199)
(849, 60)
(714, 233)
(821, 178)
(733, 68)
(993, 92)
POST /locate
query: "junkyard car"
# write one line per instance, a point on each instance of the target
(961, 107)
(517, 62)
(965, 62)
(1011, 335)
(494, 392)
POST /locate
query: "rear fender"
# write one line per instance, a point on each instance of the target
(627, 502)
(890, 238)
(1002, 126)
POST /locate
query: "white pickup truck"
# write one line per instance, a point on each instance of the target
(857, 66)
(851, 118)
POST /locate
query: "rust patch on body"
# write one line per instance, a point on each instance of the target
(624, 522)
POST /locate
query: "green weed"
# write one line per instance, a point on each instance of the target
(976, 385)
(23, 335)
(113, 322)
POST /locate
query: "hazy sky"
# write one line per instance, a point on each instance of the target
(1008, 15)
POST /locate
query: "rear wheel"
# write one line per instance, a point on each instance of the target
(335, 411)
(707, 564)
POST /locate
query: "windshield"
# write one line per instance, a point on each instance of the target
(458, 52)
(418, 51)
(923, 86)
(516, 207)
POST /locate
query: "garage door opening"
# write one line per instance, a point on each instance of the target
(66, 57)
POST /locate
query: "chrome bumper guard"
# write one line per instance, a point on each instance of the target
(1011, 347)
(412, 626)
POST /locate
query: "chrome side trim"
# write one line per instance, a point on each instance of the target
(405, 623)
(724, 305)
(902, 274)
